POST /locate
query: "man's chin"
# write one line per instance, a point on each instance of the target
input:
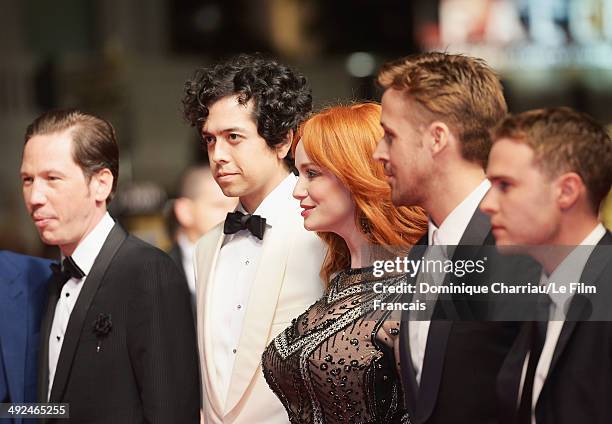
(51, 241)
(506, 247)
(400, 199)
(45, 236)
(52, 238)
(231, 191)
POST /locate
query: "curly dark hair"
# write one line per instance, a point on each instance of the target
(281, 96)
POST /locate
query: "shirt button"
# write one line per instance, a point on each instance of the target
(247, 262)
(67, 294)
(239, 307)
(234, 350)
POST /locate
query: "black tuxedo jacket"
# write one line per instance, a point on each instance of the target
(462, 356)
(579, 382)
(145, 370)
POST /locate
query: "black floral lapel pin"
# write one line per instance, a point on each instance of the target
(101, 327)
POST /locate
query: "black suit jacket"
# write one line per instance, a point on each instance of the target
(146, 368)
(177, 256)
(462, 356)
(579, 381)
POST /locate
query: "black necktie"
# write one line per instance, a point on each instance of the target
(69, 269)
(236, 221)
(538, 330)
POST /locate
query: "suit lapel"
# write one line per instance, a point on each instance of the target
(14, 333)
(593, 268)
(478, 231)
(476, 234)
(260, 310)
(433, 365)
(206, 264)
(510, 373)
(77, 318)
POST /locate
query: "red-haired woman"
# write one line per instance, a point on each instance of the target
(335, 363)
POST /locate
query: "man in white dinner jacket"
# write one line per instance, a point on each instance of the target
(259, 269)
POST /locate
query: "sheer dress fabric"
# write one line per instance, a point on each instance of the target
(328, 367)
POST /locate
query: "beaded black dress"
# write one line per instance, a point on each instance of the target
(328, 367)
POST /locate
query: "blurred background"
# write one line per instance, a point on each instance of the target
(127, 60)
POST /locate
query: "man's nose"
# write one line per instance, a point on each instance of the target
(381, 153)
(219, 152)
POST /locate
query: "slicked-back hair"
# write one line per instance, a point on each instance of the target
(564, 140)
(281, 97)
(461, 91)
(94, 143)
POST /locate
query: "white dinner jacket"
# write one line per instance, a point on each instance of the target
(286, 283)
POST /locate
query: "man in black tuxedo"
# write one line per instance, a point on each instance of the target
(550, 170)
(437, 110)
(117, 338)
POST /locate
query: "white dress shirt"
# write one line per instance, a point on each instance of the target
(84, 256)
(233, 280)
(448, 234)
(567, 272)
(187, 253)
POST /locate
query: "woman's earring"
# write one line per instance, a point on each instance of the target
(365, 224)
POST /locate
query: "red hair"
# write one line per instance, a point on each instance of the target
(342, 139)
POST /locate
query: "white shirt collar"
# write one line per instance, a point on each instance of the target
(452, 228)
(86, 252)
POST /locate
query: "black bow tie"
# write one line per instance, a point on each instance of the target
(236, 221)
(69, 269)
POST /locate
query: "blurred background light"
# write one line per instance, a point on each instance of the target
(360, 64)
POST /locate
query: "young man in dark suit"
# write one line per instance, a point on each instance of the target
(437, 110)
(550, 170)
(23, 293)
(118, 340)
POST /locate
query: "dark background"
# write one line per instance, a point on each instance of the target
(127, 60)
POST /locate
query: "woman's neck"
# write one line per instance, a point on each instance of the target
(360, 249)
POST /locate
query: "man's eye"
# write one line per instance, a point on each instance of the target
(503, 186)
(208, 139)
(27, 180)
(233, 137)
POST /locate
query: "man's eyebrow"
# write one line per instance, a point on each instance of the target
(226, 130)
(233, 129)
(496, 177)
(44, 172)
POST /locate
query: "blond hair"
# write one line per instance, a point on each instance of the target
(459, 90)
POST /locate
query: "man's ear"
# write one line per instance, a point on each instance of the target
(437, 137)
(103, 184)
(570, 188)
(282, 149)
